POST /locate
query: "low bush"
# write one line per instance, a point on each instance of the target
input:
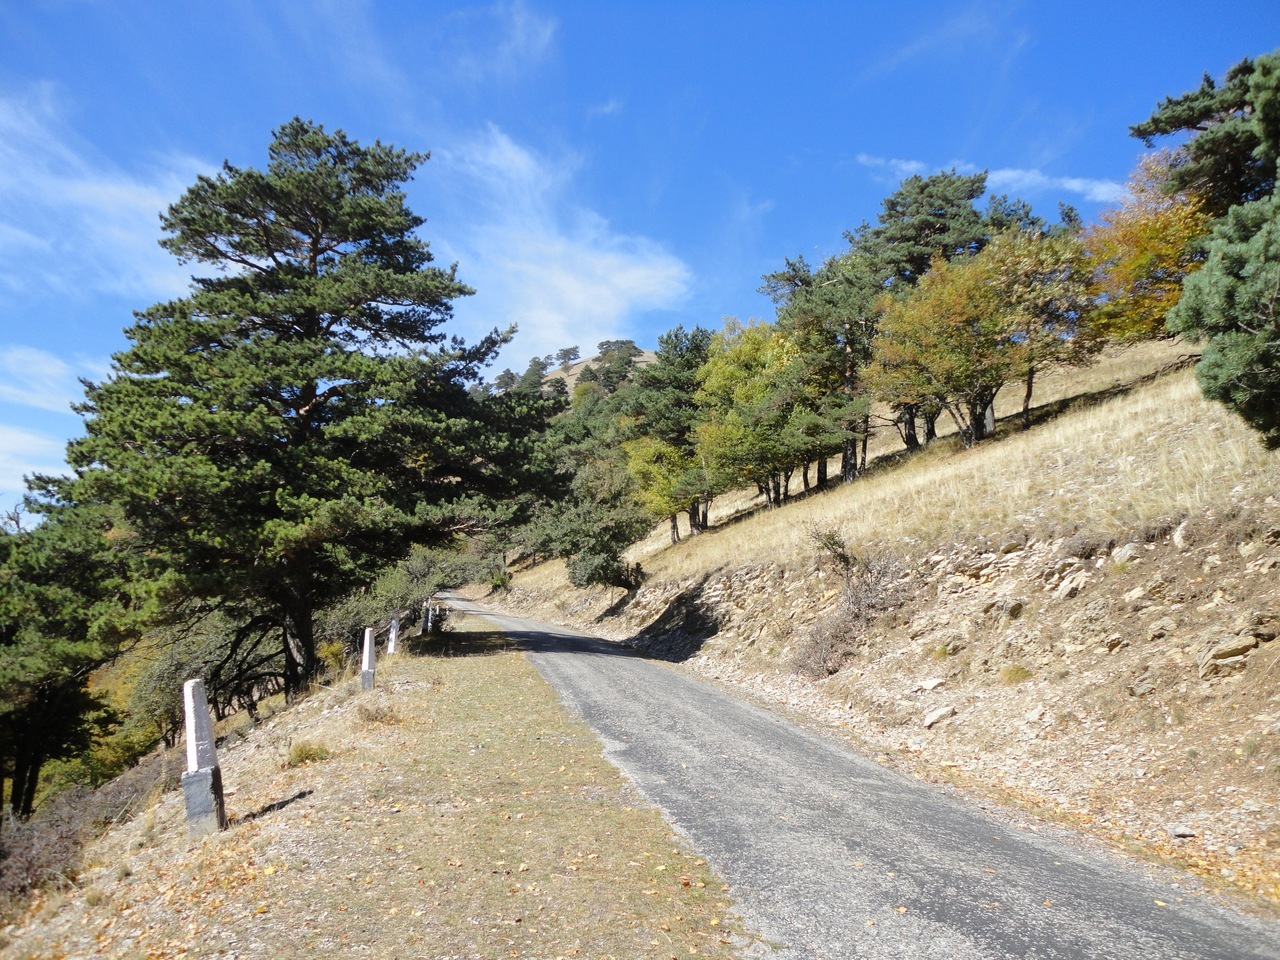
(306, 751)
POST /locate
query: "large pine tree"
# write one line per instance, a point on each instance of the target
(298, 419)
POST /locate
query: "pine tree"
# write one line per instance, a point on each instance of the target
(297, 420)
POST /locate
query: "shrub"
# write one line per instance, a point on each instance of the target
(333, 655)
(306, 751)
(1014, 673)
(872, 585)
(47, 848)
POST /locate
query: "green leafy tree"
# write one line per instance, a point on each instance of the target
(830, 316)
(1042, 281)
(591, 511)
(750, 430)
(948, 343)
(663, 411)
(925, 219)
(297, 420)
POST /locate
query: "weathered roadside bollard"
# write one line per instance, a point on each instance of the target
(202, 782)
(426, 618)
(366, 663)
(394, 635)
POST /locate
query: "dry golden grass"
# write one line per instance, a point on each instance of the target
(485, 823)
(1115, 368)
(1108, 470)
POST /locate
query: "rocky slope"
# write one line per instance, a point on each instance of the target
(1130, 687)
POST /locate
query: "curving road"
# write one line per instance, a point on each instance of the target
(830, 855)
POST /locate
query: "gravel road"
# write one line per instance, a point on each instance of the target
(831, 855)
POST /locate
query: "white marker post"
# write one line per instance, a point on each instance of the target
(427, 611)
(202, 782)
(393, 636)
(366, 664)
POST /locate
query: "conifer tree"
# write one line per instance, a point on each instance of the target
(299, 419)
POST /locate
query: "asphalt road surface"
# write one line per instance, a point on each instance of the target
(831, 855)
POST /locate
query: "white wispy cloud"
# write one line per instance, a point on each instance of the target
(556, 269)
(37, 378)
(1021, 182)
(901, 169)
(1035, 181)
(499, 40)
(24, 452)
(70, 223)
(606, 109)
(963, 27)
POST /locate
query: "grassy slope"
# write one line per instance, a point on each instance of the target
(460, 813)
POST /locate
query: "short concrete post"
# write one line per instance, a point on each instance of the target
(202, 782)
(428, 615)
(366, 663)
(393, 636)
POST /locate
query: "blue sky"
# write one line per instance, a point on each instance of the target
(599, 169)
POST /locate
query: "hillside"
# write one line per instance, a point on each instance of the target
(1076, 619)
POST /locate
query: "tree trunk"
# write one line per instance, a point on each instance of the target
(931, 426)
(907, 421)
(675, 528)
(804, 473)
(866, 436)
(1026, 398)
(26, 771)
(849, 459)
(822, 472)
(697, 517)
(299, 652)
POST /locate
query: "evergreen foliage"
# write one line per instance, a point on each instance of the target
(1230, 156)
(298, 420)
(1234, 304)
(1231, 302)
(927, 217)
(663, 412)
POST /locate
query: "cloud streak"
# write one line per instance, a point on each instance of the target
(1005, 179)
(22, 453)
(36, 378)
(70, 225)
(556, 269)
(499, 41)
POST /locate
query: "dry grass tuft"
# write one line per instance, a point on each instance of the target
(1014, 673)
(306, 751)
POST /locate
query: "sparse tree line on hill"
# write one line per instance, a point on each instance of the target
(296, 444)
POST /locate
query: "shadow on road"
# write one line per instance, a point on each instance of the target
(472, 642)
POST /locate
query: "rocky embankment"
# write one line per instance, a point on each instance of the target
(1131, 687)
